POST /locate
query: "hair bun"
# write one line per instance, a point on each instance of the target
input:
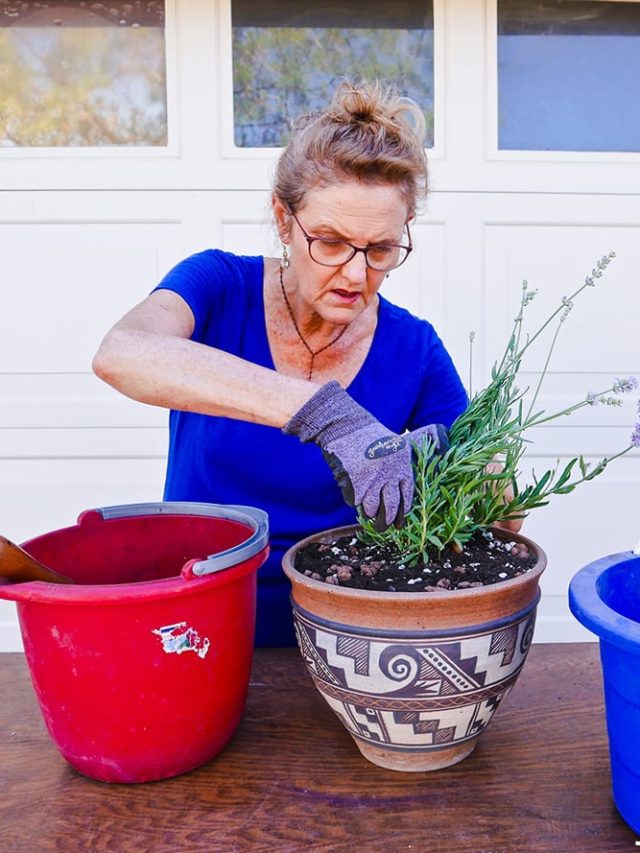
(372, 103)
(368, 133)
(358, 105)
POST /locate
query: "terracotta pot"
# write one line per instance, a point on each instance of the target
(414, 677)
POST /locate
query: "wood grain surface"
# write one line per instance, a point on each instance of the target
(291, 779)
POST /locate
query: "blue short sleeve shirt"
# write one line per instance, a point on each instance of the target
(407, 380)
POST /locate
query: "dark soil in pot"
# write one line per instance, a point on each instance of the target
(485, 559)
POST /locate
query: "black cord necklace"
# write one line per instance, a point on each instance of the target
(312, 353)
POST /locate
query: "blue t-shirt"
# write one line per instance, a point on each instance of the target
(406, 381)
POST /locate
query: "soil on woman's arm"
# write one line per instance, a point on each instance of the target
(349, 562)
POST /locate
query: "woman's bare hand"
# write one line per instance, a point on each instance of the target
(513, 525)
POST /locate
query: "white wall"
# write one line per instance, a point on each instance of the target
(83, 235)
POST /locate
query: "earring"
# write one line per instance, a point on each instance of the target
(285, 263)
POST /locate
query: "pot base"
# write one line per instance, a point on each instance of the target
(414, 761)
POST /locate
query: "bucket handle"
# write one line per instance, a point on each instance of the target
(255, 518)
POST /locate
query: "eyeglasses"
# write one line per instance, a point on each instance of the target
(335, 253)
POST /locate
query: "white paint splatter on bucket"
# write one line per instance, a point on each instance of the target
(179, 638)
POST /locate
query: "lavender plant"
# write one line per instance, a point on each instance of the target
(476, 482)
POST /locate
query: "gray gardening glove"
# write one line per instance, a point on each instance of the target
(371, 465)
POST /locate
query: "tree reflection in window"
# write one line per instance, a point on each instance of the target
(82, 74)
(287, 58)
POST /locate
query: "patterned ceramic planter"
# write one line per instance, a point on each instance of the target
(414, 677)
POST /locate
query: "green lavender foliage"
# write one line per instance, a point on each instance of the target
(465, 490)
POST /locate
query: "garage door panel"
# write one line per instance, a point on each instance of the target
(69, 282)
(555, 259)
(84, 443)
(599, 518)
(69, 400)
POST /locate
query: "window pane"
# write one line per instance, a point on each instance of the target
(287, 58)
(82, 73)
(568, 75)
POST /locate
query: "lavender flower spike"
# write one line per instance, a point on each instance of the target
(625, 385)
(602, 399)
(635, 435)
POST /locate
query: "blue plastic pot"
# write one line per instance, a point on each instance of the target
(605, 597)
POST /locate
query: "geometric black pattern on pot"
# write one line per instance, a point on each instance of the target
(526, 637)
(356, 648)
(414, 693)
(417, 730)
(390, 702)
(416, 666)
(315, 664)
(504, 641)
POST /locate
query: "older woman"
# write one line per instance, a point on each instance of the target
(280, 373)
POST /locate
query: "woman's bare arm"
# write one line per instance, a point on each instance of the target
(148, 356)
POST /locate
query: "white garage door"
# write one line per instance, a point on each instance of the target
(123, 149)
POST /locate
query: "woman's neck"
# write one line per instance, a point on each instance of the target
(302, 341)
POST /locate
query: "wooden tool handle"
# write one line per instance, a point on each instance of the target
(20, 567)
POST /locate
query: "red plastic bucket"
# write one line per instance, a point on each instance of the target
(142, 666)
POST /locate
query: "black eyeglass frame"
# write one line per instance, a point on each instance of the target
(311, 240)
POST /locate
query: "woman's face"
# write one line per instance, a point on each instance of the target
(358, 213)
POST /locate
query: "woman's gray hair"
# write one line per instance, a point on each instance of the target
(369, 133)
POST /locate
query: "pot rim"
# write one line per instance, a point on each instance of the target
(334, 533)
(586, 604)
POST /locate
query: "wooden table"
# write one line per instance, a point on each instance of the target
(292, 779)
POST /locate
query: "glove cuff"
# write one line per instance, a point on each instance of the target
(437, 433)
(329, 415)
(442, 439)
